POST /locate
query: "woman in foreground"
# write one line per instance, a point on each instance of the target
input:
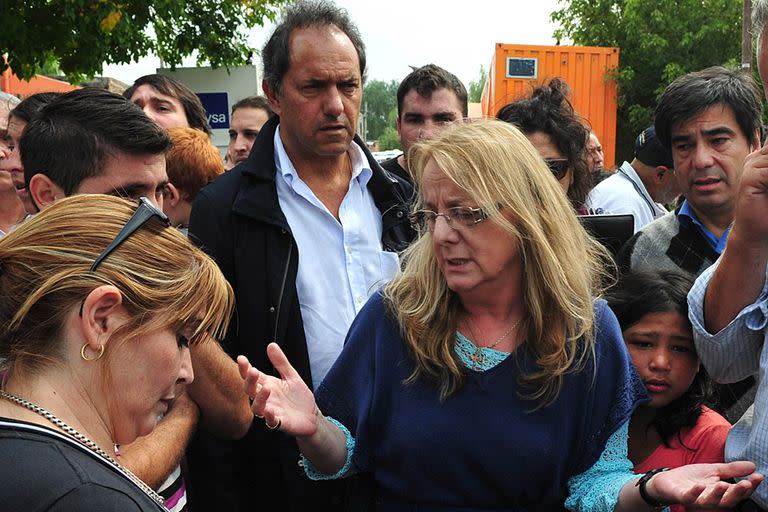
(100, 300)
(485, 376)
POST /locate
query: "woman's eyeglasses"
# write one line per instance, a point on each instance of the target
(558, 166)
(143, 213)
(458, 217)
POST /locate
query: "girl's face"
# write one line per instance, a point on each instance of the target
(662, 350)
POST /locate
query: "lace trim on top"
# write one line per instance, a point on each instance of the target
(346, 470)
(466, 351)
(597, 489)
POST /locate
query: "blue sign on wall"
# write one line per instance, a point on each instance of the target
(519, 67)
(216, 106)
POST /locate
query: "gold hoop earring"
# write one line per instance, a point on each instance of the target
(86, 358)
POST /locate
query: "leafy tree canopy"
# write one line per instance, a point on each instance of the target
(658, 42)
(475, 89)
(379, 98)
(82, 35)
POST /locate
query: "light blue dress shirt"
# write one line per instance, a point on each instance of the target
(341, 262)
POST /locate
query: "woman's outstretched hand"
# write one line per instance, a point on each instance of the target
(284, 403)
(704, 486)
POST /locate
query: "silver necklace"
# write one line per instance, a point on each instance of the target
(85, 442)
(477, 357)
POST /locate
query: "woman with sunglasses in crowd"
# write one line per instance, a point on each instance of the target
(547, 118)
(99, 303)
(485, 376)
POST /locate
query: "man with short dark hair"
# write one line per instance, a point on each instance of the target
(710, 120)
(640, 188)
(729, 301)
(93, 141)
(168, 102)
(428, 100)
(305, 230)
(248, 116)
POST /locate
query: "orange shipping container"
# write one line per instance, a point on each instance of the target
(517, 69)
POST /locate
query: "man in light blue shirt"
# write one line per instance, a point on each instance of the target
(728, 305)
(305, 230)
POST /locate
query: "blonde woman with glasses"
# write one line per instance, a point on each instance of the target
(100, 300)
(486, 376)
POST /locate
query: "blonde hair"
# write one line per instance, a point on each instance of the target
(165, 281)
(562, 266)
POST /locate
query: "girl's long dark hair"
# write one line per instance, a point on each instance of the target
(637, 294)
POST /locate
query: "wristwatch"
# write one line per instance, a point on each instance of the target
(643, 481)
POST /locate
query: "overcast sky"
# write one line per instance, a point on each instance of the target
(459, 36)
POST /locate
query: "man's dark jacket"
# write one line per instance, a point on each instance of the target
(238, 221)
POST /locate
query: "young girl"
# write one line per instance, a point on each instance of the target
(674, 428)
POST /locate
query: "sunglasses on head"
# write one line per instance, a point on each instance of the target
(145, 211)
(558, 166)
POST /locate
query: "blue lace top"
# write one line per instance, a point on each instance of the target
(597, 480)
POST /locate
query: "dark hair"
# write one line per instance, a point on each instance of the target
(276, 53)
(72, 137)
(691, 94)
(253, 102)
(426, 80)
(174, 88)
(548, 110)
(640, 293)
(31, 105)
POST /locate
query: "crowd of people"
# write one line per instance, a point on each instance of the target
(186, 330)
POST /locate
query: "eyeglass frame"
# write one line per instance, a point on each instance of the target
(558, 173)
(479, 212)
(145, 211)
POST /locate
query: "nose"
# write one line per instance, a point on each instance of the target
(186, 373)
(442, 231)
(150, 113)
(241, 143)
(702, 157)
(660, 360)
(334, 106)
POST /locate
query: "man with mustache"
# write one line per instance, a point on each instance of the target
(305, 230)
(710, 120)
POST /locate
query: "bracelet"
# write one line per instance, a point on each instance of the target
(643, 481)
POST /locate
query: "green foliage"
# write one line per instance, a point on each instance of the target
(475, 89)
(82, 35)
(389, 139)
(379, 98)
(658, 42)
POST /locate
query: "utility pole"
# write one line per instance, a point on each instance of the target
(746, 36)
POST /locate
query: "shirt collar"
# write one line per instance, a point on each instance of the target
(718, 244)
(361, 169)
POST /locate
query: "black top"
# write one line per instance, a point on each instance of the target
(43, 470)
(393, 166)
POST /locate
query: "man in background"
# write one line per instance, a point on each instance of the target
(428, 100)
(641, 187)
(248, 116)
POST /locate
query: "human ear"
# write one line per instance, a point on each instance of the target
(272, 96)
(101, 314)
(44, 191)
